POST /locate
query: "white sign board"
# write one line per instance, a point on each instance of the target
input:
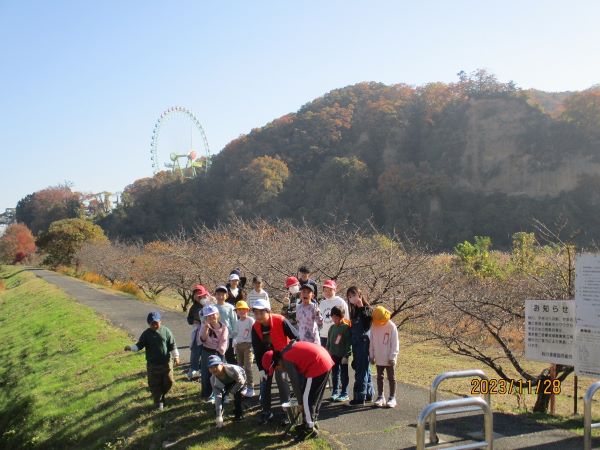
(550, 331)
(587, 315)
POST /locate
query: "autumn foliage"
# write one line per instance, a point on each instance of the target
(39, 209)
(16, 244)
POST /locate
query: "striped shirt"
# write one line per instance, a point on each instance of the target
(253, 296)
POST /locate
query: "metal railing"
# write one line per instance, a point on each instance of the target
(476, 403)
(587, 415)
(433, 438)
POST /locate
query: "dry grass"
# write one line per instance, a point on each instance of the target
(92, 277)
(129, 287)
(420, 362)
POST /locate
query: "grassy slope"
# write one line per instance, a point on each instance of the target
(66, 383)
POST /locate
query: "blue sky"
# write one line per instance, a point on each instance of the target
(82, 83)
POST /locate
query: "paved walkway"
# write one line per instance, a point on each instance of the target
(346, 427)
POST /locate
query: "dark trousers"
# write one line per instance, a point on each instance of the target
(160, 380)
(265, 390)
(391, 376)
(363, 385)
(312, 396)
(237, 399)
(205, 376)
(339, 372)
(230, 353)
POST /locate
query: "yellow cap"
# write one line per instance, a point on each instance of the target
(381, 316)
(242, 305)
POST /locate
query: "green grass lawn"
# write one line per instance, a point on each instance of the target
(65, 383)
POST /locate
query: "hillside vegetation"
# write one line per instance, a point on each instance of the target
(443, 162)
(440, 162)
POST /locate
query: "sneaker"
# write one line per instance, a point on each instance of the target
(312, 433)
(356, 402)
(306, 433)
(334, 397)
(249, 392)
(160, 406)
(391, 403)
(266, 417)
(163, 400)
(369, 398)
(379, 402)
(300, 435)
(291, 403)
(342, 398)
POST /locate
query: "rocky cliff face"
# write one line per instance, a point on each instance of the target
(496, 160)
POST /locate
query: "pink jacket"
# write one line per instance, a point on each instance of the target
(384, 345)
(217, 339)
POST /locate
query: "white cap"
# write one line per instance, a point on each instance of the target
(261, 304)
(234, 276)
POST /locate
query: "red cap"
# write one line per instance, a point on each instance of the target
(330, 284)
(290, 281)
(267, 361)
(202, 290)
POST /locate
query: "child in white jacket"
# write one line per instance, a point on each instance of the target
(383, 352)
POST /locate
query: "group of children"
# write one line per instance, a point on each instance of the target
(310, 343)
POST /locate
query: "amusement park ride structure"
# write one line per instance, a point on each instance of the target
(101, 203)
(194, 163)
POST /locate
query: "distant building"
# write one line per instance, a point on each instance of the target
(7, 218)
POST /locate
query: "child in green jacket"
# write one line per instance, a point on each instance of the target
(339, 345)
(160, 345)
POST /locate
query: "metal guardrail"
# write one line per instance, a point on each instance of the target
(587, 415)
(446, 405)
(433, 438)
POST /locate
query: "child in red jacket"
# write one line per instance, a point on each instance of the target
(308, 366)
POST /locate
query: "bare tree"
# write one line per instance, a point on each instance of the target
(483, 317)
(111, 260)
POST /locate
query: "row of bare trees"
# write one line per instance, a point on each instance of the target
(398, 275)
(474, 315)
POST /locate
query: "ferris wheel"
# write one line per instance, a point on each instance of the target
(195, 161)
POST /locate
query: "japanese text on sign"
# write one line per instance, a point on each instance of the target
(587, 301)
(550, 331)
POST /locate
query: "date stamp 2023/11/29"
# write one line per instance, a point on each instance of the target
(518, 387)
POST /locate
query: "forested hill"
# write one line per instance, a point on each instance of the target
(443, 162)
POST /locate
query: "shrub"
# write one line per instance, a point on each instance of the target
(92, 277)
(16, 244)
(65, 237)
(128, 287)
